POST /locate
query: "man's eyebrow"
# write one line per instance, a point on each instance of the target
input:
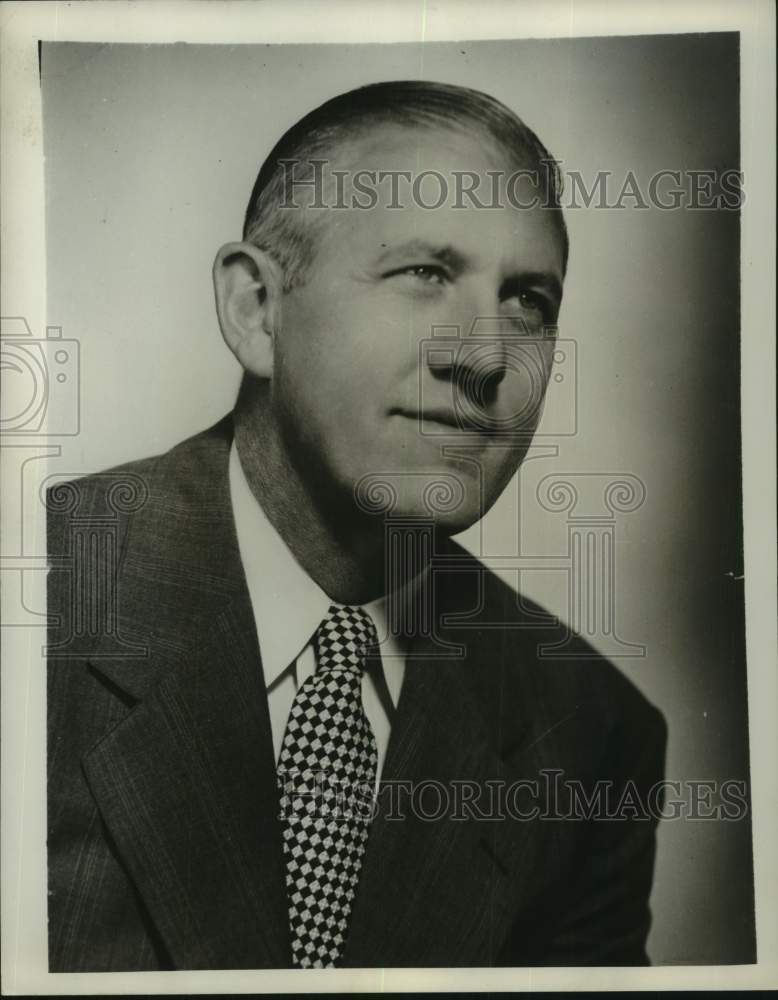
(447, 255)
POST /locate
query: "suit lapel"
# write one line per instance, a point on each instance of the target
(186, 782)
(438, 882)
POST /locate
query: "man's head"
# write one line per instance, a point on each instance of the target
(327, 132)
(332, 309)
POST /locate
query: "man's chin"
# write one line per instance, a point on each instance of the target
(453, 524)
(447, 499)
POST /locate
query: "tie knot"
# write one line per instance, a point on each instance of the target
(344, 637)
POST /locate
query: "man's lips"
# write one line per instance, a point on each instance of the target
(444, 416)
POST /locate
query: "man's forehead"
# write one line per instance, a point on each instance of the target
(385, 146)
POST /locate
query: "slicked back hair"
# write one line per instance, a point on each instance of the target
(290, 236)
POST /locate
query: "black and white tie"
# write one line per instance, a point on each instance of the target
(326, 774)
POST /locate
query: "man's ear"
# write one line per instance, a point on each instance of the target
(248, 290)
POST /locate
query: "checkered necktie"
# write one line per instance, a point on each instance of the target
(326, 775)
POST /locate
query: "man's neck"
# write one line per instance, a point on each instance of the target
(341, 548)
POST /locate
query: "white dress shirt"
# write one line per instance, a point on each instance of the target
(288, 608)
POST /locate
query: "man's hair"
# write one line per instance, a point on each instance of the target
(290, 236)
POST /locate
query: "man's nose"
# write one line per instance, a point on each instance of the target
(475, 369)
(472, 357)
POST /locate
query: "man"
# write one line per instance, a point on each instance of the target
(291, 723)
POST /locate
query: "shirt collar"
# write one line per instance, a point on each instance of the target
(288, 605)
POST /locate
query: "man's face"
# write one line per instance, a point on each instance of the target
(358, 391)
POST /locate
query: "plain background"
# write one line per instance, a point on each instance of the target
(151, 152)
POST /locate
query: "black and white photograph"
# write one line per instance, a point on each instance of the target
(389, 486)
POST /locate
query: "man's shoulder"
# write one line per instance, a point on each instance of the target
(528, 653)
(125, 488)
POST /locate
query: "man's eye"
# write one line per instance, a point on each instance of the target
(430, 274)
(531, 300)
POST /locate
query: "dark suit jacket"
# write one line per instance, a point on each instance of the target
(163, 834)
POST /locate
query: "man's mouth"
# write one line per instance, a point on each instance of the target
(444, 418)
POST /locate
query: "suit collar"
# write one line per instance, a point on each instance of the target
(178, 567)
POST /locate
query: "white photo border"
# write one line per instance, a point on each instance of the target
(23, 293)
